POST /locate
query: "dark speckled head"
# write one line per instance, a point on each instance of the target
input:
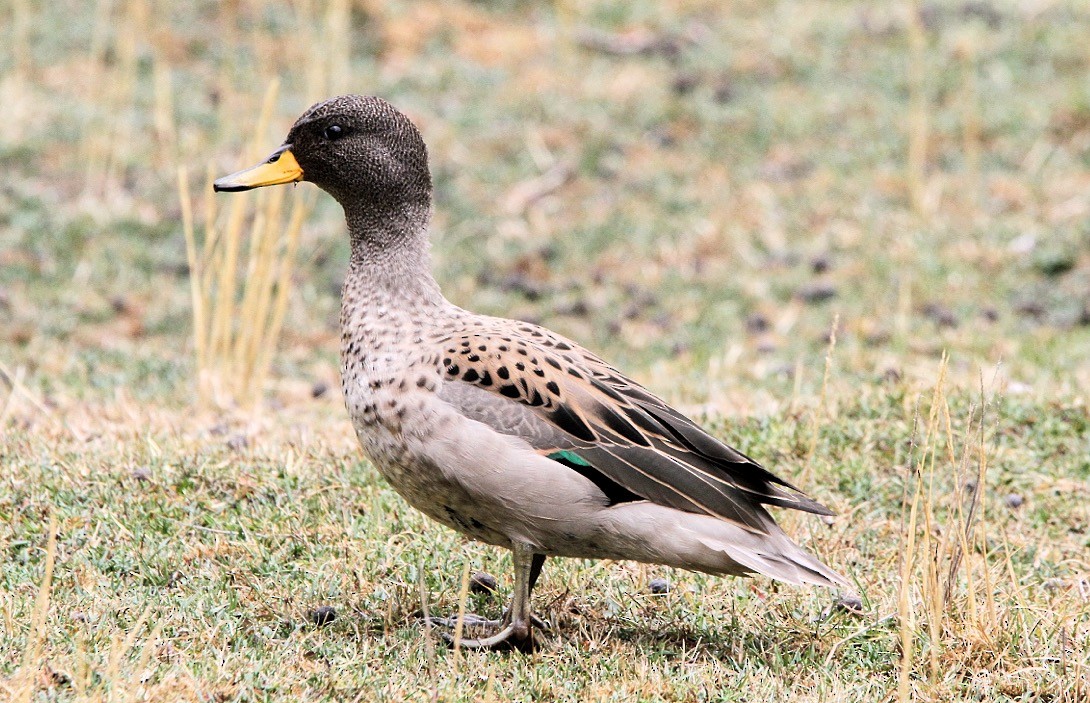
(358, 148)
(371, 158)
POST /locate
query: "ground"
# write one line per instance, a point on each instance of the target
(852, 238)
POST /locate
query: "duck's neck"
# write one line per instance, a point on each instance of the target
(390, 263)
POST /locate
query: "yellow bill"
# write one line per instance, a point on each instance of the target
(280, 167)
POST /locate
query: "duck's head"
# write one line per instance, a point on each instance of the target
(359, 149)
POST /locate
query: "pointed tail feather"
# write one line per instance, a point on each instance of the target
(785, 561)
(658, 534)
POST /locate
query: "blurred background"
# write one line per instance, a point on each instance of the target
(700, 191)
(853, 238)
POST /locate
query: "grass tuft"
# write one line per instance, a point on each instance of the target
(239, 304)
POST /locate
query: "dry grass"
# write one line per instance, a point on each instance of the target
(852, 237)
(198, 584)
(239, 305)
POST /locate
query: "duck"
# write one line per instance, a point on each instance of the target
(503, 430)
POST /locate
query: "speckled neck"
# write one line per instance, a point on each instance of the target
(390, 258)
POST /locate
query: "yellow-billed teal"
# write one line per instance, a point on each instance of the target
(501, 429)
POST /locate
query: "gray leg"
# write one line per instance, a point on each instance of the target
(517, 630)
(535, 572)
(474, 620)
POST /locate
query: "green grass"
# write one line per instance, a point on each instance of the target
(212, 559)
(733, 198)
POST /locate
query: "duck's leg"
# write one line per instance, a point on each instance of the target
(474, 620)
(535, 571)
(516, 627)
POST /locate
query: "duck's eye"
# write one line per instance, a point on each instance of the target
(334, 132)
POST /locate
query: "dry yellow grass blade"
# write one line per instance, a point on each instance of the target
(958, 598)
(239, 289)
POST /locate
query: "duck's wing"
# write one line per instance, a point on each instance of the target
(570, 405)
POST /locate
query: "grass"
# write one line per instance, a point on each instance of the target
(238, 311)
(705, 194)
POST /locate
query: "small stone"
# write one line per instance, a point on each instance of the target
(724, 90)
(1030, 308)
(54, 677)
(876, 338)
(237, 442)
(119, 304)
(549, 252)
(983, 11)
(576, 308)
(662, 136)
(659, 586)
(520, 283)
(941, 315)
(1014, 500)
(1055, 262)
(1083, 320)
(756, 322)
(482, 582)
(322, 615)
(850, 603)
(319, 389)
(816, 292)
(931, 16)
(685, 82)
(174, 268)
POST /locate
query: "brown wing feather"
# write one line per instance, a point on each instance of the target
(622, 429)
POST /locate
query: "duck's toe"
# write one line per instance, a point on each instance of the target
(508, 635)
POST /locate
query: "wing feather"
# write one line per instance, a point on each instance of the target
(526, 381)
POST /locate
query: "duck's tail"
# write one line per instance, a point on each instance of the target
(657, 534)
